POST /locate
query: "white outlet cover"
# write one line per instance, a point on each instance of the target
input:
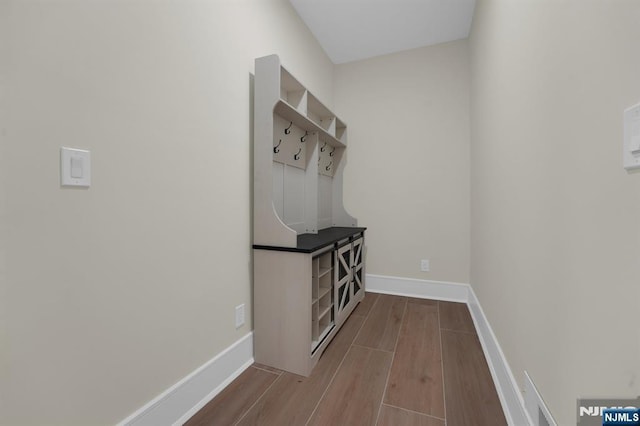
(424, 265)
(75, 167)
(239, 315)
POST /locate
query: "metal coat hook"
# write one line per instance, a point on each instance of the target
(288, 129)
(302, 139)
(331, 153)
(329, 166)
(297, 156)
(322, 147)
(276, 149)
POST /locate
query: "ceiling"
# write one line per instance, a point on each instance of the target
(350, 30)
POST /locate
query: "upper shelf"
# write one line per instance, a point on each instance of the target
(295, 99)
(292, 92)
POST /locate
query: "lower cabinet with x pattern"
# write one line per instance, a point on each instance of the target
(302, 296)
(349, 288)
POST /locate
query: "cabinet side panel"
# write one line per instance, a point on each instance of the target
(340, 217)
(267, 226)
(282, 310)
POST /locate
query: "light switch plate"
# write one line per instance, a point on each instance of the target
(75, 167)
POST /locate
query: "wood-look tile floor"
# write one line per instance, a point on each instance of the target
(396, 361)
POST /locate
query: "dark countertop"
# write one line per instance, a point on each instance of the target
(308, 243)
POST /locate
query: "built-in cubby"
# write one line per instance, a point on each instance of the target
(322, 311)
(299, 222)
(341, 128)
(293, 92)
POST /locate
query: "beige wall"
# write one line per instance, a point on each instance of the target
(116, 292)
(3, 181)
(407, 176)
(555, 235)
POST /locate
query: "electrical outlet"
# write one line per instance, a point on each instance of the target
(424, 265)
(239, 316)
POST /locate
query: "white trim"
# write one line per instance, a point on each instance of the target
(424, 289)
(533, 402)
(177, 404)
(506, 386)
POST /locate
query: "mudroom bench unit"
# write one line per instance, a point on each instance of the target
(308, 252)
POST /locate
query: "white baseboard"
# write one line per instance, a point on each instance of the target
(506, 386)
(533, 402)
(177, 404)
(438, 290)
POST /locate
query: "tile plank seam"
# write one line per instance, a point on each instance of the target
(366, 317)
(258, 399)
(361, 374)
(339, 365)
(375, 349)
(395, 347)
(268, 371)
(444, 389)
(419, 335)
(458, 331)
(413, 411)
